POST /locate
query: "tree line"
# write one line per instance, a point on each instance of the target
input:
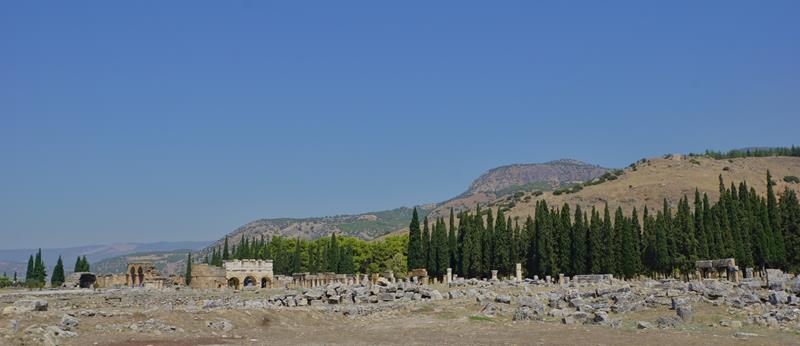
(36, 272)
(757, 231)
(757, 152)
(339, 254)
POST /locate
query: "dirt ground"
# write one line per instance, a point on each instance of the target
(444, 322)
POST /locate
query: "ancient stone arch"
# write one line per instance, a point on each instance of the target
(141, 273)
(247, 272)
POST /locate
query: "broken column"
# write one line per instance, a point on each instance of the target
(449, 277)
(494, 274)
(519, 272)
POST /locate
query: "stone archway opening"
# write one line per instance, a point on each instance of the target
(249, 281)
(87, 280)
(133, 277)
(141, 276)
(264, 282)
(233, 283)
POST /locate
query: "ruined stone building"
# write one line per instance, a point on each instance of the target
(248, 273)
(208, 276)
(145, 274)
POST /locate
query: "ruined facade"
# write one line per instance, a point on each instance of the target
(207, 276)
(248, 273)
(145, 274)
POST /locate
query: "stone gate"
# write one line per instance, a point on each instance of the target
(248, 273)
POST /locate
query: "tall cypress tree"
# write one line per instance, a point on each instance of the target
(609, 256)
(790, 222)
(774, 216)
(700, 233)
(78, 265)
(225, 254)
(636, 238)
(563, 236)
(188, 275)
(414, 243)
(39, 270)
(333, 254)
(502, 244)
(426, 247)
(29, 273)
(58, 274)
(452, 242)
(578, 245)
(596, 244)
(487, 243)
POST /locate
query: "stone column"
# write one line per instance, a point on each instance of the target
(561, 279)
(519, 272)
(449, 276)
(494, 274)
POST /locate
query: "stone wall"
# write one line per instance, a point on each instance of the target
(206, 276)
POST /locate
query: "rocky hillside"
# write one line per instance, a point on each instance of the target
(648, 182)
(534, 176)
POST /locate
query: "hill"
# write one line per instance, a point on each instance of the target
(167, 262)
(17, 259)
(500, 181)
(649, 182)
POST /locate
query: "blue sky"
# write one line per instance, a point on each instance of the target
(181, 120)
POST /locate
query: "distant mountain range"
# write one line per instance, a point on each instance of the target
(17, 259)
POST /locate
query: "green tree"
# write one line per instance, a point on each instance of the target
(426, 246)
(774, 217)
(296, 261)
(790, 222)
(502, 244)
(452, 242)
(563, 237)
(578, 244)
(58, 274)
(609, 255)
(188, 274)
(29, 276)
(333, 254)
(596, 244)
(225, 254)
(487, 243)
(414, 243)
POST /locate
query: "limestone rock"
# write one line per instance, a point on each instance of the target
(644, 325)
(221, 324)
(68, 322)
(685, 313)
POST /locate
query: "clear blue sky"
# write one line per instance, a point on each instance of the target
(181, 120)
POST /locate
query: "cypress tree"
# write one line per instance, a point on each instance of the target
(452, 242)
(333, 255)
(502, 245)
(78, 265)
(530, 238)
(608, 254)
(578, 245)
(58, 274)
(636, 237)
(442, 249)
(29, 273)
(225, 254)
(774, 216)
(699, 227)
(790, 222)
(414, 243)
(426, 247)
(188, 274)
(596, 245)
(620, 238)
(563, 237)
(39, 271)
(487, 243)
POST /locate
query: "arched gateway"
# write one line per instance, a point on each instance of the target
(248, 273)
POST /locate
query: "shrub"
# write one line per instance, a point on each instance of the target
(726, 168)
(694, 162)
(791, 179)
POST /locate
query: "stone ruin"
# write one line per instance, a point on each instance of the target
(145, 274)
(208, 276)
(80, 280)
(249, 273)
(308, 280)
(711, 268)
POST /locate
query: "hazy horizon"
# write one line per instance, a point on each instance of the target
(181, 121)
